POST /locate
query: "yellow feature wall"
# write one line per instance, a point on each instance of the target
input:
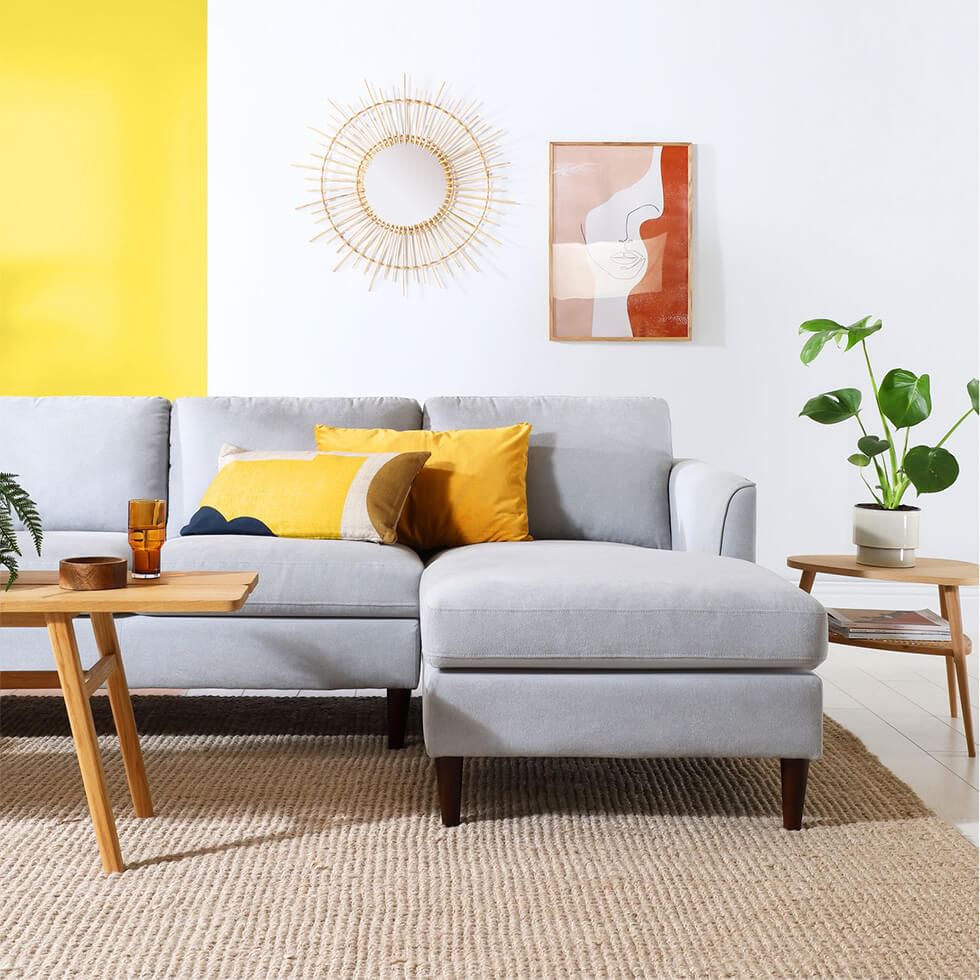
(103, 195)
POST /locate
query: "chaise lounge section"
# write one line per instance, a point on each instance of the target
(661, 638)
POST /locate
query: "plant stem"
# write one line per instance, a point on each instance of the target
(881, 415)
(874, 459)
(903, 485)
(956, 425)
(873, 494)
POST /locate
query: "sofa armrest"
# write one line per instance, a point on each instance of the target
(711, 511)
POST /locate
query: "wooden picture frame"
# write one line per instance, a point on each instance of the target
(619, 241)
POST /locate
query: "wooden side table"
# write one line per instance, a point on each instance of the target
(35, 600)
(948, 576)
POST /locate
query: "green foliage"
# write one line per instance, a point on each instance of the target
(931, 469)
(833, 406)
(872, 445)
(15, 500)
(823, 331)
(903, 399)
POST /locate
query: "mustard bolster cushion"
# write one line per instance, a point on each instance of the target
(349, 496)
(473, 488)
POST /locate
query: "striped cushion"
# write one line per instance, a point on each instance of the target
(346, 496)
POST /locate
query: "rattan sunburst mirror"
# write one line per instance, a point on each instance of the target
(409, 184)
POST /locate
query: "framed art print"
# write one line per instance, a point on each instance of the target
(620, 241)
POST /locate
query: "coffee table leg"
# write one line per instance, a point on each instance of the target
(950, 664)
(806, 580)
(952, 595)
(65, 649)
(104, 628)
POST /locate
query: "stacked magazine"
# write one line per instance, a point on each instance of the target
(885, 624)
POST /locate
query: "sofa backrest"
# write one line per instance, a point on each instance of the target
(201, 425)
(81, 459)
(597, 469)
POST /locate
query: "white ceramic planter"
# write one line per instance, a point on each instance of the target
(887, 538)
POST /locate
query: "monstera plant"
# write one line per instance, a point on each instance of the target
(902, 400)
(15, 500)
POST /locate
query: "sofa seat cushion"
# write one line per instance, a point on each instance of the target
(595, 605)
(70, 544)
(301, 577)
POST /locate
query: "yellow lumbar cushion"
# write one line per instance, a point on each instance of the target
(349, 496)
(473, 487)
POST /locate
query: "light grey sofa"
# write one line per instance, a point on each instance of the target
(635, 624)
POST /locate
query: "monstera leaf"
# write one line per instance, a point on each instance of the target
(931, 469)
(973, 389)
(904, 398)
(823, 331)
(833, 406)
(872, 445)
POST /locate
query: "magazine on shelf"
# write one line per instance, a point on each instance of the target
(888, 624)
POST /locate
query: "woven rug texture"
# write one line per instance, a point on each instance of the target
(289, 843)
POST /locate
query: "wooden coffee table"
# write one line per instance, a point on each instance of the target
(35, 600)
(948, 575)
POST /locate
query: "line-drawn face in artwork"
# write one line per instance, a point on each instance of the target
(612, 232)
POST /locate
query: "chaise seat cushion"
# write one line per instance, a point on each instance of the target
(594, 605)
(303, 577)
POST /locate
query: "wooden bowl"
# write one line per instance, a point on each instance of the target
(90, 574)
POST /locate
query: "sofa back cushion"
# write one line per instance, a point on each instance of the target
(202, 425)
(597, 467)
(82, 458)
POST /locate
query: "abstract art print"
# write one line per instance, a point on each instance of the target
(620, 241)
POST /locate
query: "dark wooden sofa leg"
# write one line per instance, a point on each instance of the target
(449, 778)
(399, 699)
(793, 773)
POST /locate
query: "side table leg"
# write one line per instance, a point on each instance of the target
(104, 628)
(806, 580)
(65, 649)
(950, 664)
(952, 594)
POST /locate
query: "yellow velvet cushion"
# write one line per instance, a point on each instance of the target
(473, 487)
(347, 496)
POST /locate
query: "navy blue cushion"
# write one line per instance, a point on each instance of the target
(210, 521)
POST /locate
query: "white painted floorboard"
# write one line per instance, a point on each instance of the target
(897, 704)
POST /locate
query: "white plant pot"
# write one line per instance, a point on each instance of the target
(886, 538)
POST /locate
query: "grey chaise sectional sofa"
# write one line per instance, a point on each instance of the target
(634, 624)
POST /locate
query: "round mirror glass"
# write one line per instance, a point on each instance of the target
(405, 184)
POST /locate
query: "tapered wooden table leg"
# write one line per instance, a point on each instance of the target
(72, 679)
(950, 663)
(951, 685)
(955, 617)
(104, 628)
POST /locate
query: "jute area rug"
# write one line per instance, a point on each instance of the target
(290, 843)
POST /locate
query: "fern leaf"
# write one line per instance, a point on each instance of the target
(17, 497)
(8, 534)
(9, 561)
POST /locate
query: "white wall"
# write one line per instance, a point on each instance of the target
(836, 174)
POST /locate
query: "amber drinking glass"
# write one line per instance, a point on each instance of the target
(147, 531)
